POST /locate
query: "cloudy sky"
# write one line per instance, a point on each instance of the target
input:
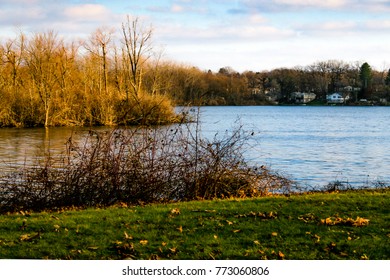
(243, 34)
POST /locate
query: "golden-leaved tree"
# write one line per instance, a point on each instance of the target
(48, 81)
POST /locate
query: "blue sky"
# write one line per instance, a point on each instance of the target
(243, 34)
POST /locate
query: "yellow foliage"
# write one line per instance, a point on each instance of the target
(127, 236)
(143, 242)
(281, 255)
(358, 222)
(24, 237)
(175, 211)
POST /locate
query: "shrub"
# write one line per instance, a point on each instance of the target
(148, 164)
(147, 110)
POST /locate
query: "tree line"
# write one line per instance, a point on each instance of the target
(228, 87)
(119, 78)
(48, 81)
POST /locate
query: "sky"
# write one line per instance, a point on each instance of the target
(256, 35)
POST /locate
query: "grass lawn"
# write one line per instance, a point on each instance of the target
(346, 225)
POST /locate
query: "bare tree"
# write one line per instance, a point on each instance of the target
(42, 53)
(98, 45)
(138, 49)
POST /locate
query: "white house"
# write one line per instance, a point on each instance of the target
(335, 98)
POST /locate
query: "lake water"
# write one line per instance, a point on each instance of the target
(312, 145)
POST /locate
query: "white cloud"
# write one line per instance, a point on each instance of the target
(177, 8)
(87, 12)
(27, 2)
(378, 25)
(9, 16)
(378, 6)
(256, 19)
(313, 3)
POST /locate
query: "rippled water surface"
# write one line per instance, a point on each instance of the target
(313, 145)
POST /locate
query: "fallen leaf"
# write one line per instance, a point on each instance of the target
(175, 211)
(236, 230)
(128, 236)
(123, 205)
(274, 234)
(143, 242)
(318, 237)
(164, 244)
(180, 229)
(215, 237)
(256, 242)
(28, 237)
(281, 255)
(93, 248)
(24, 237)
(359, 222)
(327, 221)
(229, 222)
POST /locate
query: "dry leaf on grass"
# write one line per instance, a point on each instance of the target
(175, 211)
(281, 255)
(143, 242)
(358, 222)
(128, 236)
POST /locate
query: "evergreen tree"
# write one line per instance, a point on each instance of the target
(365, 75)
(387, 80)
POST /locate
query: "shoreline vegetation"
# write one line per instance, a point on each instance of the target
(146, 165)
(118, 77)
(140, 165)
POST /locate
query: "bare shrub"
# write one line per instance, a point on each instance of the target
(150, 164)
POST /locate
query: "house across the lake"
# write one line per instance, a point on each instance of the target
(335, 98)
(302, 97)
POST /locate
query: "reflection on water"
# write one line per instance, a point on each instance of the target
(25, 146)
(313, 145)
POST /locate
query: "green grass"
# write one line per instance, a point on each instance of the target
(263, 228)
